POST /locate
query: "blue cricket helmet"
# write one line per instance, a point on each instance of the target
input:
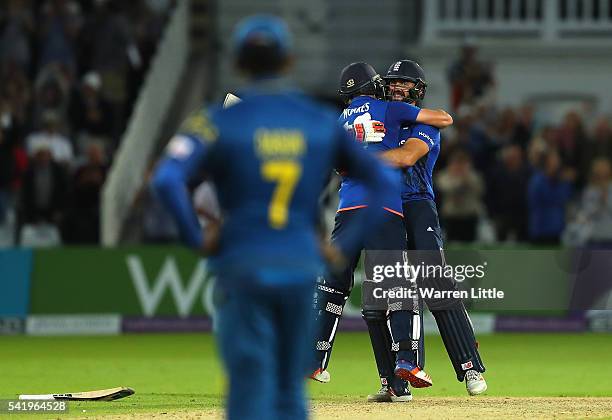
(360, 79)
(410, 71)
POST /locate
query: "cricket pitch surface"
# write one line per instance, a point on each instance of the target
(433, 408)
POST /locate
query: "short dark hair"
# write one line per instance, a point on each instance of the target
(258, 60)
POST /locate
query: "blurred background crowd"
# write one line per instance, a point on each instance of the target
(70, 72)
(505, 174)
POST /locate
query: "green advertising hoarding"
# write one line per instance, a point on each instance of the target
(173, 282)
(139, 281)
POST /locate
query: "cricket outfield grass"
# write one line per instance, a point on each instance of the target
(179, 376)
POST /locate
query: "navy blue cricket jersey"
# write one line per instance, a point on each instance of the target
(418, 179)
(393, 115)
(269, 157)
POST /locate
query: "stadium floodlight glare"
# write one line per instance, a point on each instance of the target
(100, 395)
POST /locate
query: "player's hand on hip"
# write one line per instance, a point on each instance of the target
(335, 259)
(211, 238)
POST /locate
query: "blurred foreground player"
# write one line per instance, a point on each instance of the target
(269, 156)
(390, 331)
(417, 153)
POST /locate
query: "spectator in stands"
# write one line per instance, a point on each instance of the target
(49, 136)
(90, 113)
(600, 144)
(110, 50)
(82, 224)
(16, 98)
(16, 33)
(52, 93)
(594, 217)
(550, 189)
(507, 195)
(44, 189)
(470, 78)
(43, 50)
(544, 141)
(524, 126)
(13, 160)
(59, 29)
(147, 20)
(461, 188)
(469, 135)
(505, 126)
(570, 141)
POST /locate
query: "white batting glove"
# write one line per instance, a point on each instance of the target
(368, 130)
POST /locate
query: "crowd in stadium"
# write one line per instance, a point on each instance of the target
(533, 181)
(70, 73)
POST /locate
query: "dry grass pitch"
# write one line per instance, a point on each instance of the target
(433, 408)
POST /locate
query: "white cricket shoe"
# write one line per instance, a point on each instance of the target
(322, 376)
(475, 382)
(386, 394)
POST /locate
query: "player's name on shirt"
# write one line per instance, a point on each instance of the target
(279, 143)
(357, 110)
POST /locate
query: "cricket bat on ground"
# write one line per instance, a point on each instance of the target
(230, 99)
(101, 395)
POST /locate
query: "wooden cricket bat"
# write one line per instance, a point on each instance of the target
(101, 395)
(230, 99)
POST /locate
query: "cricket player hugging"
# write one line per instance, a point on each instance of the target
(396, 334)
(416, 155)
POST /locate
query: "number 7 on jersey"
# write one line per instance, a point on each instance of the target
(285, 173)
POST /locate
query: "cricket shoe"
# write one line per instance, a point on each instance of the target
(413, 374)
(322, 376)
(475, 382)
(386, 394)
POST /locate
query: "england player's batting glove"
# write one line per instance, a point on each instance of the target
(370, 131)
(377, 129)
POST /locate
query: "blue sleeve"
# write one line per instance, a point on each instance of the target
(535, 191)
(377, 178)
(401, 113)
(430, 135)
(185, 158)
